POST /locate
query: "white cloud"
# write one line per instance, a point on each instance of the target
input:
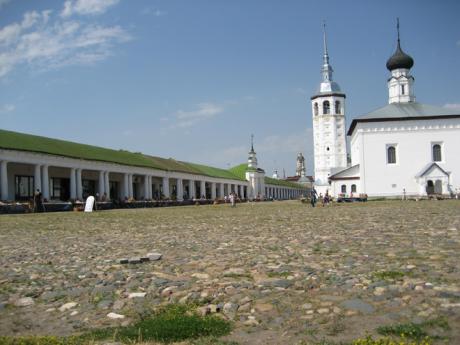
(452, 105)
(86, 7)
(7, 108)
(204, 111)
(43, 42)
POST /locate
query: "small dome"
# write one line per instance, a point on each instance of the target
(399, 60)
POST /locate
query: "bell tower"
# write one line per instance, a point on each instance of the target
(328, 110)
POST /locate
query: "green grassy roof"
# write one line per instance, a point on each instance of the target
(276, 182)
(33, 143)
(240, 171)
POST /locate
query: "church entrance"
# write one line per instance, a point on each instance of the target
(429, 187)
(438, 187)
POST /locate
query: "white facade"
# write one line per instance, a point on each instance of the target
(413, 142)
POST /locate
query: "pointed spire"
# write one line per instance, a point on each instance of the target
(326, 55)
(327, 69)
(252, 142)
(397, 28)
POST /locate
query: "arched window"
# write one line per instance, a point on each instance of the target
(344, 188)
(437, 153)
(326, 107)
(391, 155)
(353, 188)
(337, 107)
(402, 90)
(316, 108)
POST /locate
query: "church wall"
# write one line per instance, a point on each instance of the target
(413, 141)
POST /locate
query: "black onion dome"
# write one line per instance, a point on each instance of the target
(399, 60)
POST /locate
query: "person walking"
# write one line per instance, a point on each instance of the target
(38, 201)
(313, 197)
(232, 199)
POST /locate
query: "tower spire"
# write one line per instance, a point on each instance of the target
(397, 28)
(327, 69)
(252, 142)
(326, 55)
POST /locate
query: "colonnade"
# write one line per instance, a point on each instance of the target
(144, 186)
(280, 192)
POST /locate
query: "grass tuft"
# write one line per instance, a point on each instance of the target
(388, 275)
(388, 341)
(170, 324)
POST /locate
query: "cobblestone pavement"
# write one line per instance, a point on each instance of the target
(283, 271)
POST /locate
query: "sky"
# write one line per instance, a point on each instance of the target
(193, 80)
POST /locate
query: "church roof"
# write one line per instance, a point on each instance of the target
(430, 167)
(399, 59)
(346, 174)
(404, 112)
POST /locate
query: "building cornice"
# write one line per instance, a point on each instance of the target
(412, 118)
(329, 94)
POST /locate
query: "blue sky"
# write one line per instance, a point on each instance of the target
(193, 79)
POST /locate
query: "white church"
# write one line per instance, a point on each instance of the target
(405, 148)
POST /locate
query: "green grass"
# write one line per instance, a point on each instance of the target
(388, 341)
(170, 324)
(284, 274)
(388, 275)
(415, 331)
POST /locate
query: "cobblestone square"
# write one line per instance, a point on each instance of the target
(284, 272)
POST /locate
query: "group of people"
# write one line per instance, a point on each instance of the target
(324, 200)
(231, 198)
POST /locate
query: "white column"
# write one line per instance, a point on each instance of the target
(241, 191)
(101, 183)
(149, 187)
(125, 186)
(130, 186)
(3, 180)
(166, 187)
(73, 184)
(221, 190)
(37, 178)
(179, 189)
(146, 189)
(45, 183)
(107, 185)
(203, 189)
(213, 190)
(191, 189)
(229, 188)
(79, 185)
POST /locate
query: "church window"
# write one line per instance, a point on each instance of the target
(344, 188)
(316, 108)
(326, 107)
(353, 188)
(327, 148)
(337, 107)
(402, 89)
(391, 155)
(437, 157)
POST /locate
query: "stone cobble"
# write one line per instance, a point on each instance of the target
(282, 271)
